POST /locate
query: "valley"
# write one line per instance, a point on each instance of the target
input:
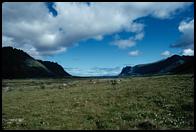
(151, 102)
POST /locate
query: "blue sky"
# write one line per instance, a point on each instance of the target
(122, 38)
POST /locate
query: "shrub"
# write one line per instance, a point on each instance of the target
(42, 86)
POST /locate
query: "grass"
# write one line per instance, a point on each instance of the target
(159, 102)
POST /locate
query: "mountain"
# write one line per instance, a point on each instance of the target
(173, 65)
(18, 64)
(55, 68)
(187, 67)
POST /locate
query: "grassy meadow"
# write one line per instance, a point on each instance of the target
(157, 102)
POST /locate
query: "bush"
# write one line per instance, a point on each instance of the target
(42, 86)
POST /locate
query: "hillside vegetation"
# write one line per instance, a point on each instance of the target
(174, 64)
(18, 64)
(159, 102)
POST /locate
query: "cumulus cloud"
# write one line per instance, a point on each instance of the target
(188, 52)
(166, 53)
(187, 38)
(124, 43)
(130, 42)
(139, 36)
(34, 25)
(134, 53)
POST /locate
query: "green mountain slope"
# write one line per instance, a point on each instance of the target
(18, 64)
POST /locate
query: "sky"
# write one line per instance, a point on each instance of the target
(98, 39)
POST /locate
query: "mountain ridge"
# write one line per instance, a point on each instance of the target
(18, 64)
(172, 65)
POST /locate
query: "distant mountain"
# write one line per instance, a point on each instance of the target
(175, 64)
(18, 64)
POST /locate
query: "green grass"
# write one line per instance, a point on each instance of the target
(159, 102)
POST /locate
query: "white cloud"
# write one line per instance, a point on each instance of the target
(48, 39)
(135, 27)
(98, 38)
(32, 24)
(95, 71)
(188, 52)
(134, 53)
(186, 27)
(166, 53)
(7, 41)
(187, 38)
(124, 43)
(139, 36)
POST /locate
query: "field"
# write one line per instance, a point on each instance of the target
(157, 102)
